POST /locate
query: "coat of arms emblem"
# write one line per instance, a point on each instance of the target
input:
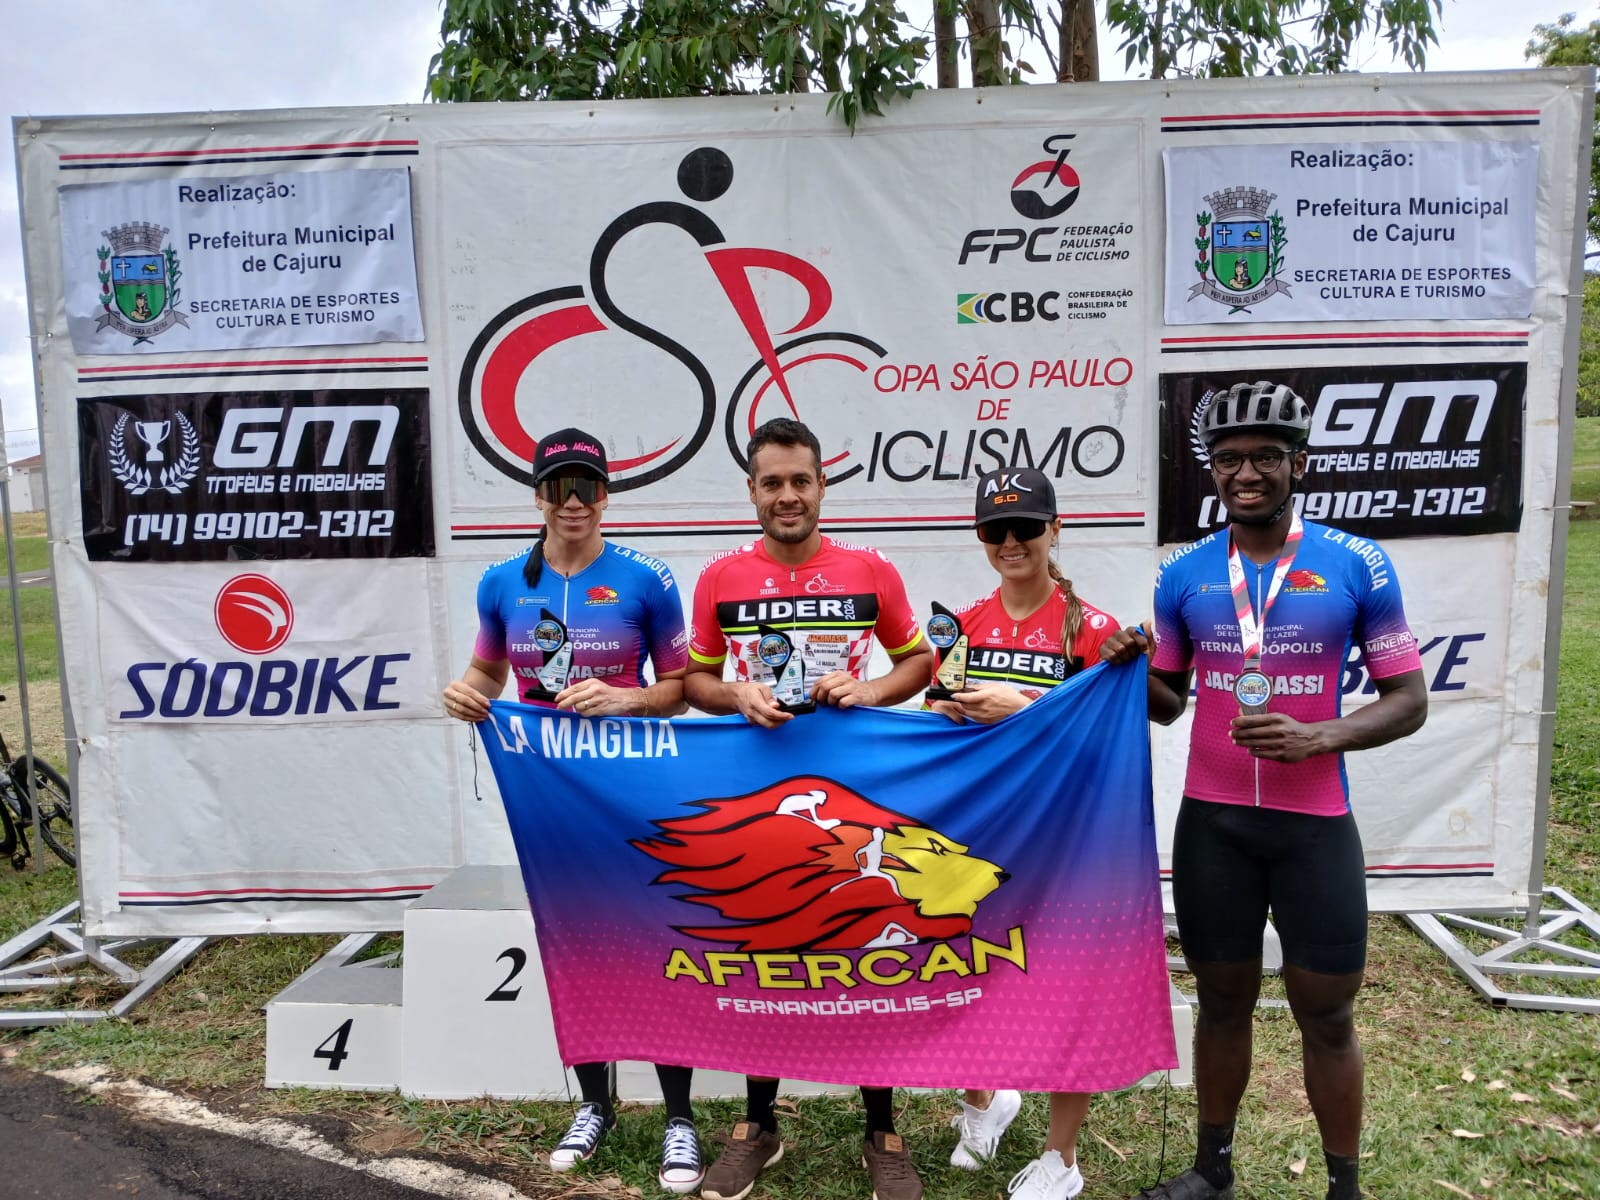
(1239, 249)
(138, 282)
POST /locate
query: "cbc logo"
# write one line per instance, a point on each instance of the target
(996, 308)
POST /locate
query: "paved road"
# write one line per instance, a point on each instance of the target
(54, 1146)
(27, 579)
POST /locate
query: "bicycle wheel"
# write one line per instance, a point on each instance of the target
(54, 796)
(8, 828)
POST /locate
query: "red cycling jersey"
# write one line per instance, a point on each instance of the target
(830, 606)
(1026, 653)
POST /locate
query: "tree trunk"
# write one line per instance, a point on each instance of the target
(1158, 41)
(1079, 56)
(945, 47)
(1086, 44)
(983, 26)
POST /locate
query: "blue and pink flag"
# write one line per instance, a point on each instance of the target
(871, 896)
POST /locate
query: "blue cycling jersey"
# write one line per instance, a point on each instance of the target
(619, 610)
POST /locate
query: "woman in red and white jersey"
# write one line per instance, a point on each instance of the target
(1028, 635)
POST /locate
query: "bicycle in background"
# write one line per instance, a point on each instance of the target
(54, 797)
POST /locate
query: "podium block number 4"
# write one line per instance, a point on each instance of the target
(519, 959)
(333, 1046)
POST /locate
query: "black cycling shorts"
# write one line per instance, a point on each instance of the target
(1233, 863)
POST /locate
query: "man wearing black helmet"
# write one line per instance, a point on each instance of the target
(1262, 613)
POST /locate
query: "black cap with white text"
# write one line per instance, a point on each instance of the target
(1019, 492)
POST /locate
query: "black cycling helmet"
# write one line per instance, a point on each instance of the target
(1260, 407)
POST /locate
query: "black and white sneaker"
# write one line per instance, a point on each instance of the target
(682, 1168)
(582, 1138)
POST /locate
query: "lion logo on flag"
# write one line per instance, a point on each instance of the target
(809, 864)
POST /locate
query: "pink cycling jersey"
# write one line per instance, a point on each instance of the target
(1341, 592)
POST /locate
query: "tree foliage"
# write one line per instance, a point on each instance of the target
(866, 52)
(1228, 38)
(1589, 350)
(1565, 44)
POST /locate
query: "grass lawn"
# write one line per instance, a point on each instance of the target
(1463, 1099)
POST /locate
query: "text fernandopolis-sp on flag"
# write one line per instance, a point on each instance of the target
(873, 896)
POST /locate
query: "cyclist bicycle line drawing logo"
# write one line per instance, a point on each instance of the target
(507, 347)
(1039, 199)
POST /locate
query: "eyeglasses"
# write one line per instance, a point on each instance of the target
(1228, 462)
(557, 491)
(1024, 529)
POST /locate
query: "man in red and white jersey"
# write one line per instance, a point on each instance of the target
(830, 600)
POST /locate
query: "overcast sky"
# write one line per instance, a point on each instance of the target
(73, 57)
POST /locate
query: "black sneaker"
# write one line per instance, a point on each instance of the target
(1191, 1185)
(682, 1168)
(582, 1138)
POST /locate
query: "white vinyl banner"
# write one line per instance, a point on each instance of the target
(316, 258)
(274, 644)
(1350, 231)
(266, 560)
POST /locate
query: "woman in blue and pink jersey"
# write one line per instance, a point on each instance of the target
(1025, 637)
(617, 608)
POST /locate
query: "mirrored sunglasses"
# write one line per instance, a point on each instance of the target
(559, 490)
(1024, 529)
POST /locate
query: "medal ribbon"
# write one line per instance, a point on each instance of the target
(1251, 629)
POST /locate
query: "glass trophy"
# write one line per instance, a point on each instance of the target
(550, 635)
(776, 650)
(945, 632)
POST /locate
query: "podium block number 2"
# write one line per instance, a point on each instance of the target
(335, 1052)
(519, 959)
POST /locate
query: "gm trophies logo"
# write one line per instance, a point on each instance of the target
(1197, 422)
(138, 282)
(172, 477)
(1240, 252)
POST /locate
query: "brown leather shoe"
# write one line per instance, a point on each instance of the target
(888, 1162)
(747, 1151)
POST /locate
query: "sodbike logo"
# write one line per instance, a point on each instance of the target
(138, 282)
(1240, 250)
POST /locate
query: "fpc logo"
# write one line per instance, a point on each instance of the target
(253, 614)
(1047, 189)
(1041, 191)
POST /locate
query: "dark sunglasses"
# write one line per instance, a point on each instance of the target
(559, 490)
(1024, 529)
(1228, 462)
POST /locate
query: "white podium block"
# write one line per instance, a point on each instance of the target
(336, 1028)
(637, 1082)
(476, 1016)
(1183, 1034)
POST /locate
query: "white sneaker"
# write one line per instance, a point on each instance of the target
(1046, 1178)
(582, 1138)
(981, 1129)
